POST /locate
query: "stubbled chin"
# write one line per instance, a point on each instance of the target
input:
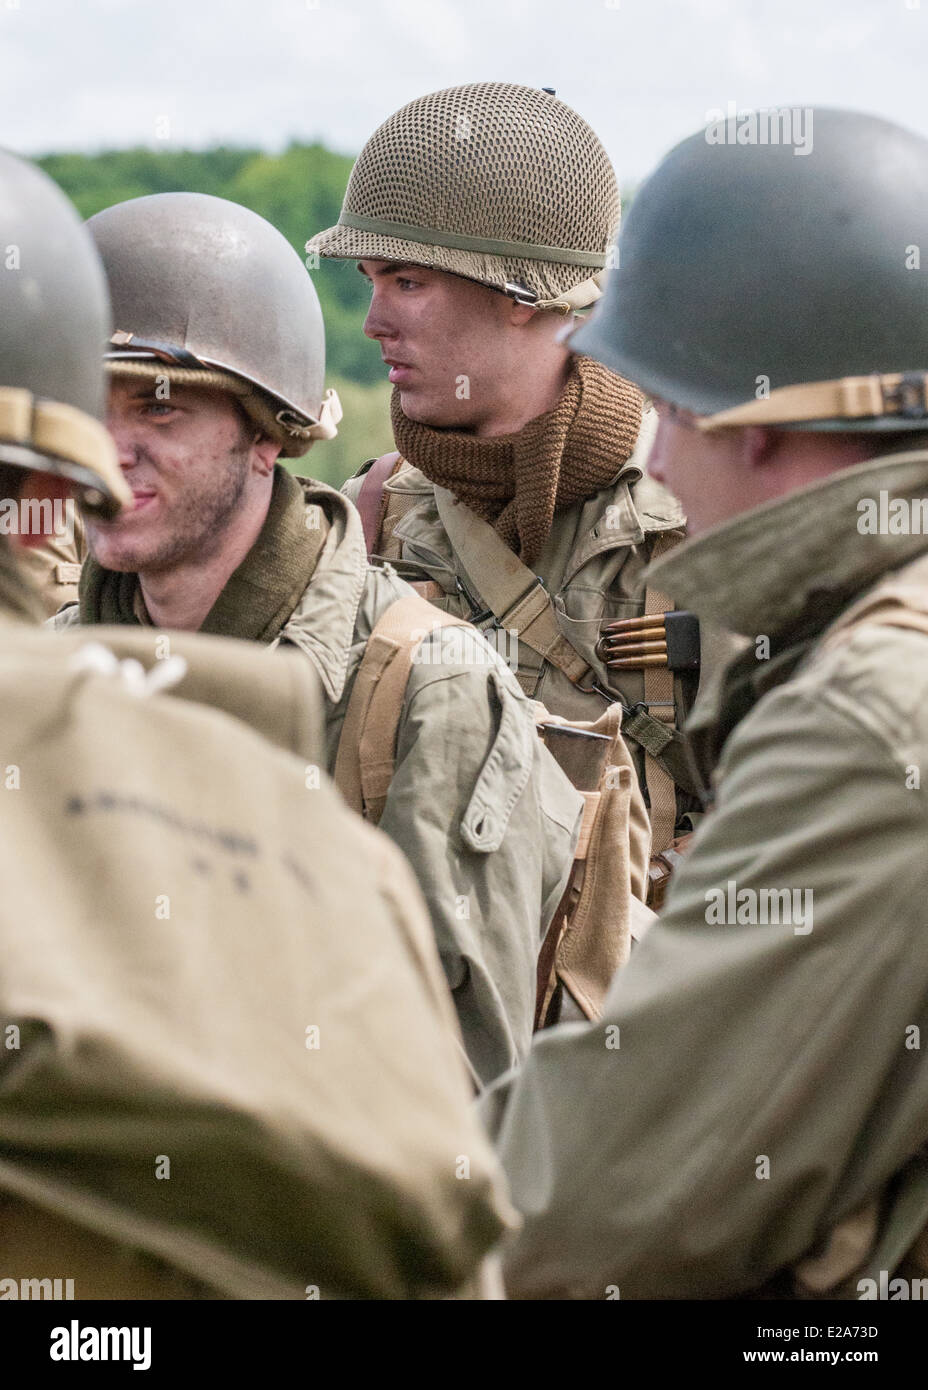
(437, 414)
(113, 551)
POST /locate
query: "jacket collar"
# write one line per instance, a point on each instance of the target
(323, 622)
(776, 566)
(622, 514)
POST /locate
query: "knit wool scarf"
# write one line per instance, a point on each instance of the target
(517, 482)
(258, 598)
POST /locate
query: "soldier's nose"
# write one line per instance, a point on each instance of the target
(375, 325)
(125, 449)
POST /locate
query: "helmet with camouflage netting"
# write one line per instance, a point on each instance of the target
(502, 184)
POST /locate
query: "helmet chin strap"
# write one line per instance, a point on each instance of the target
(582, 296)
(326, 427)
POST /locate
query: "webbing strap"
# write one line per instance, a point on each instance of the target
(366, 757)
(370, 503)
(490, 246)
(591, 802)
(893, 394)
(653, 736)
(658, 697)
(517, 598)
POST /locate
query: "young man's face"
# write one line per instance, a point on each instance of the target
(448, 341)
(187, 460)
(706, 472)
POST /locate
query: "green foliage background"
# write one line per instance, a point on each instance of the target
(300, 192)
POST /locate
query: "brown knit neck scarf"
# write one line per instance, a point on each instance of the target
(518, 481)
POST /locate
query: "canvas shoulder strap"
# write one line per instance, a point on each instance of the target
(518, 599)
(659, 703)
(366, 756)
(371, 498)
(521, 603)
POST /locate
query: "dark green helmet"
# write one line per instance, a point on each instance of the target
(54, 315)
(778, 283)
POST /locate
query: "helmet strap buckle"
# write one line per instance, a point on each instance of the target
(908, 397)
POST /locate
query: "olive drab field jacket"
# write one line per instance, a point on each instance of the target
(762, 1090)
(214, 974)
(589, 574)
(54, 566)
(482, 812)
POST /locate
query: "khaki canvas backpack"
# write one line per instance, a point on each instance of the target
(590, 935)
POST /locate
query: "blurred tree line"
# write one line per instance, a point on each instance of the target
(300, 192)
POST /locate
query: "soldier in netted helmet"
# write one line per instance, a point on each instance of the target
(192, 1103)
(216, 369)
(483, 217)
(760, 1058)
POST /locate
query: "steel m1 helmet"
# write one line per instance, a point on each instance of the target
(502, 184)
(207, 293)
(54, 312)
(772, 284)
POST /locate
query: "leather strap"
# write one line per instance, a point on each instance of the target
(371, 498)
(545, 982)
(514, 594)
(366, 757)
(427, 588)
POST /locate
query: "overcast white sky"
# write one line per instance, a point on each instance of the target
(101, 74)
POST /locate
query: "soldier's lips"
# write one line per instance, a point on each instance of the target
(399, 371)
(142, 499)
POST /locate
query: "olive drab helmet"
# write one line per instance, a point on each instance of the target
(770, 284)
(207, 293)
(501, 184)
(53, 312)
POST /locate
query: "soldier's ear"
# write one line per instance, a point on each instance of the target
(760, 445)
(520, 314)
(264, 453)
